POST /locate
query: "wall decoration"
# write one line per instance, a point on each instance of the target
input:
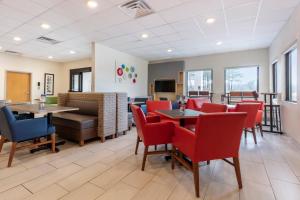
(49, 84)
(125, 73)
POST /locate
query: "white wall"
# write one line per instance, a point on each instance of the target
(288, 36)
(36, 67)
(105, 70)
(218, 63)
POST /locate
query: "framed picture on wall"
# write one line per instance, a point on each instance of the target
(49, 84)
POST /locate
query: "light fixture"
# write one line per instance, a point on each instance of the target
(219, 43)
(50, 57)
(145, 35)
(72, 52)
(210, 20)
(45, 26)
(92, 4)
(17, 38)
(170, 50)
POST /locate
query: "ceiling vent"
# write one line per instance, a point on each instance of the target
(136, 8)
(13, 52)
(48, 40)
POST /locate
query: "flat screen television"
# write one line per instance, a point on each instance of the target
(165, 86)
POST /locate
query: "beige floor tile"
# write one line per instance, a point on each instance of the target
(83, 176)
(138, 178)
(61, 162)
(87, 191)
(16, 193)
(119, 191)
(224, 173)
(256, 191)
(52, 192)
(254, 172)
(221, 191)
(154, 191)
(113, 175)
(6, 172)
(285, 190)
(280, 171)
(20, 178)
(94, 158)
(51, 178)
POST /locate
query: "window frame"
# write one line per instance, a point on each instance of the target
(196, 70)
(79, 72)
(288, 79)
(248, 66)
(275, 77)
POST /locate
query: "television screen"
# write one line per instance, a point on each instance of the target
(165, 86)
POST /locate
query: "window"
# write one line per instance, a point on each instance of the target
(275, 77)
(242, 79)
(81, 80)
(291, 75)
(199, 80)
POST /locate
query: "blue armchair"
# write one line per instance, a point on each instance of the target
(17, 131)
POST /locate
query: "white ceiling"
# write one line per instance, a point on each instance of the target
(176, 24)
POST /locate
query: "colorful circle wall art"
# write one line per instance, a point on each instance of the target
(125, 73)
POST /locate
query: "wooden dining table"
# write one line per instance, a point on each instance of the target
(37, 110)
(180, 115)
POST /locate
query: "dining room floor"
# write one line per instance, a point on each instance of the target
(111, 171)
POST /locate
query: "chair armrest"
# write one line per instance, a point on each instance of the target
(153, 119)
(29, 129)
(158, 133)
(184, 140)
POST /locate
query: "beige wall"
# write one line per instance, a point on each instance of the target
(288, 37)
(36, 67)
(105, 59)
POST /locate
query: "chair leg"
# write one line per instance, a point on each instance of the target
(208, 162)
(53, 143)
(12, 153)
(137, 145)
(254, 135)
(81, 143)
(166, 147)
(261, 130)
(172, 156)
(155, 147)
(236, 163)
(196, 178)
(145, 157)
(245, 133)
(2, 140)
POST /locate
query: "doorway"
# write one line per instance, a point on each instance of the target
(18, 86)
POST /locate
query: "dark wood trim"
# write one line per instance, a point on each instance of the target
(78, 72)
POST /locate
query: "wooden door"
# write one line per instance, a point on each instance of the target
(18, 86)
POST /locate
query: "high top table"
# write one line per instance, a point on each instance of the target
(42, 110)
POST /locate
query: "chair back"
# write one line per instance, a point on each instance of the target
(213, 108)
(7, 119)
(251, 109)
(153, 106)
(261, 103)
(140, 120)
(196, 103)
(218, 136)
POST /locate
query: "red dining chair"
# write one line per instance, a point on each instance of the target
(206, 108)
(151, 133)
(251, 109)
(153, 106)
(260, 113)
(217, 136)
(196, 103)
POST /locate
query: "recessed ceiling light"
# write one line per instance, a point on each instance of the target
(72, 52)
(50, 57)
(219, 43)
(92, 4)
(17, 39)
(145, 35)
(210, 20)
(45, 26)
(169, 50)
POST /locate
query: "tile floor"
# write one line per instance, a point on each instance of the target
(111, 171)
